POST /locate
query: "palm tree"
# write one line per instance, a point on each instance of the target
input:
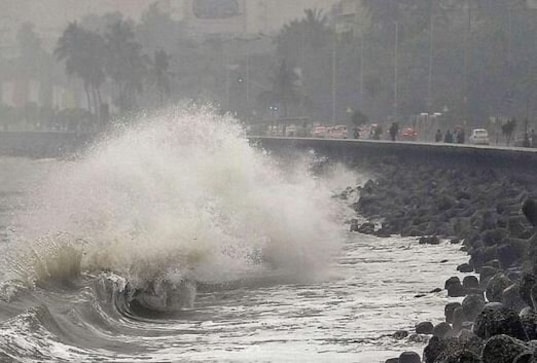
(83, 54)
(311, 31)
(284, 87)
(125, 63)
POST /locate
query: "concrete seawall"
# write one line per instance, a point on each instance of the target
(42, 144)
(56, 144)
(410, 152)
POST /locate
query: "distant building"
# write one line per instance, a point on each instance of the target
(205, 16)
(347, 16)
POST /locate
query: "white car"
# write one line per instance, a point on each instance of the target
(479, 137)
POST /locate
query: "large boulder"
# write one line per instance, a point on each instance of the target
(465, 268)
(454, 287)
(459, 356)
(425, 327)
(516, 225)
(507, 255)
(527, 281)
(495, 287)
(529, 208)
(451, 281)
(486, 274)
(367, 228)
(470, 282)
(442, 330)
(434, 348)
(458, 318)
(409, 357)
(472, 305)
(496, 319)
(511, 298)
(503, 349)
(494, 236)
(456, 290)
(528, 318)
(449, 309)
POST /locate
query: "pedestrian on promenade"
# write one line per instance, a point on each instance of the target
(460, 136)
(394, 129)
(448, 137)
(438, 136)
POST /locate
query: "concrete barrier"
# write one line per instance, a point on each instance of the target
(411, 152)
(57, 144)
(42, 144)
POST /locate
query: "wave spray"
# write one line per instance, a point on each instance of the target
(177, 199)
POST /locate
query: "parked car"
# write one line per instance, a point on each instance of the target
(409, 134)
(338, 132)
(479, 137)
(291, 131)
(319, 131)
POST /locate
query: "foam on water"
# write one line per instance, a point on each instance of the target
(182, 195)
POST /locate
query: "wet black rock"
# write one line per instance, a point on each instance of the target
(400, 334)
(354, 225)
(432, 240)
(424, 328)
(494, 236)
(459, 356)
(472, 305)
(465, 268)
(526, 283)
(470, 282)
(458, 319)
(433, 349)
(456, 290)
(449, 309)
(495, 287)
(525, 357)
(442, 330)
(529, 208)
(409, 357)
(511, 298)
(367, 228)
(508, 255)
(496, 319)
(503, 349)
(452, 280)
(528, 318)
(470, 341)
(486, 274)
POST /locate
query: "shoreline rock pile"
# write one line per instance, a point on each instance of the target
(494, 214)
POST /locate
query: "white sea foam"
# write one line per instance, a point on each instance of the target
(182, 195)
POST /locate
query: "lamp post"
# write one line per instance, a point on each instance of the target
(396, 73)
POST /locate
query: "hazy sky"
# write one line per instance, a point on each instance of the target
(51, 16)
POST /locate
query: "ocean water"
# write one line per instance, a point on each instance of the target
(173, 239)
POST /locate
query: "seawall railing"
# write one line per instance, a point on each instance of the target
(410, 152)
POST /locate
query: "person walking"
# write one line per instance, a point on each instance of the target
(438, 136)
(394, 130)
(448, 137)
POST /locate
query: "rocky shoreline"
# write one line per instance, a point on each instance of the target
(492, 214)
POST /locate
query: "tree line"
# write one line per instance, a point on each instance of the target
(468, 59)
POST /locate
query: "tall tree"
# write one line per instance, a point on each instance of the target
(285, 87)
(83, 53)
(125, 63)
(306, 44)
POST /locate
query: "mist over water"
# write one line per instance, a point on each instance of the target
(182, 195)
